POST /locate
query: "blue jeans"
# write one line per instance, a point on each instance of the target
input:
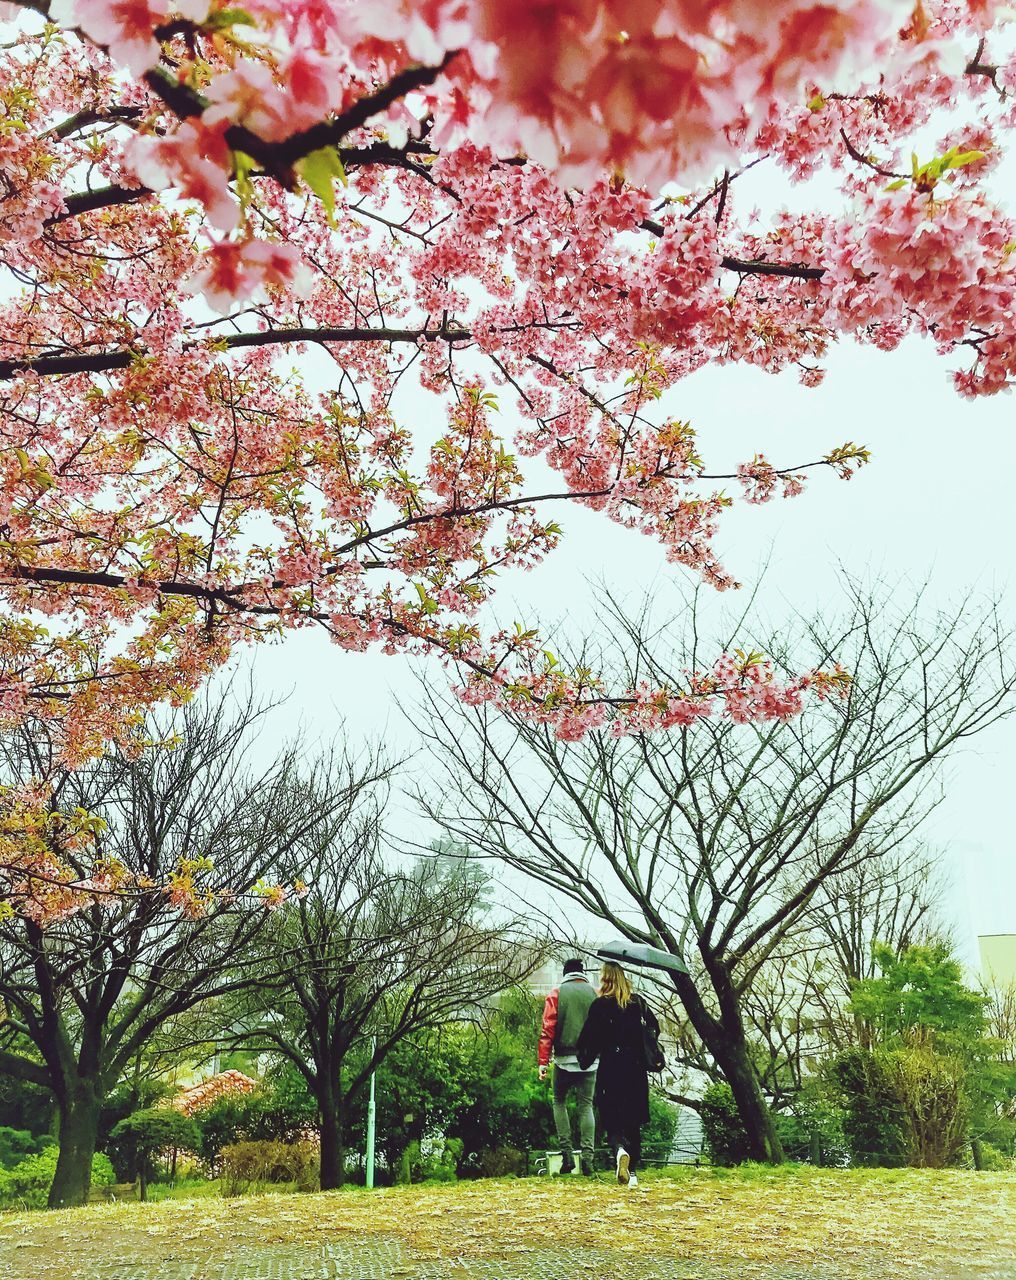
(582, 1083)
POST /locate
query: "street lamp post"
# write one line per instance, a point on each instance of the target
(371, 1119)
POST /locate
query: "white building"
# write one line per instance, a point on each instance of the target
(998, 958)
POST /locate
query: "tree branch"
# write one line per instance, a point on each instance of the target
(12, 1064)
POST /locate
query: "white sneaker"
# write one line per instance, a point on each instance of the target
(633, 1181)
(623, 1162)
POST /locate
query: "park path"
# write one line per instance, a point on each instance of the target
(387, 1258)
(810, 1226)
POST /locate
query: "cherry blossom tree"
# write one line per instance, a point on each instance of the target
(529, 213)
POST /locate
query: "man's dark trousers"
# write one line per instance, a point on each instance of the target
(582, 1084)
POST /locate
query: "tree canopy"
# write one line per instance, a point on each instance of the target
(316, 313)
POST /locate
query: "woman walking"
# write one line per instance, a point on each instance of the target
(614, 1033)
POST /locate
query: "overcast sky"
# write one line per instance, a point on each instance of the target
(936, 502)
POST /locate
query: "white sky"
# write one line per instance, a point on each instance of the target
(936, 500)
(935, 503)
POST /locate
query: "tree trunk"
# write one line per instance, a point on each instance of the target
(734, 1061)
(729, 1051)
(333, 1145)
(79, 1129)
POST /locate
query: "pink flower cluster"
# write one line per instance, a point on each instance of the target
(230, 271)
(581, 86)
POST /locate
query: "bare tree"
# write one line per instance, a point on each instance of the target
(374, 953)
(795, 1008)
(715, 841)
(84, 994)
(895, 898)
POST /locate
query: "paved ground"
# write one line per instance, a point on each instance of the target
(807, 1226)
(380, 1258)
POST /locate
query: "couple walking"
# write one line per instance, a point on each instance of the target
(599, 1049)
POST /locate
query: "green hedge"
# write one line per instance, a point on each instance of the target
(17, 1144)
(27, 1185)
(814, 1129)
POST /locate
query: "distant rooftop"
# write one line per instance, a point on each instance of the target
(202, 1094)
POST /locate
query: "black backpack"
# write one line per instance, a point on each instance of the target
(651, 1051)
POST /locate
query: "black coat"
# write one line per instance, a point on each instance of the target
(614, 1035)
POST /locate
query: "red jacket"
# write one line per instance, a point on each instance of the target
(547, 1030)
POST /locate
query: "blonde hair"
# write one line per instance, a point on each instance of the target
(614, 985)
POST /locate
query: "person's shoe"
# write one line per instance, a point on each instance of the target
(567, 1164)
(633, 1181)
(623, 1162)
(587, 1166)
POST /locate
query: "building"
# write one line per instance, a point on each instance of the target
(542, 981)
(998, 958)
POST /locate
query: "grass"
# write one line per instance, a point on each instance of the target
(950, 1225)
(184, 1189)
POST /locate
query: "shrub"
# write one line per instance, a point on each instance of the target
(443, 1165)
(873, 1123)
(501, 1162)
(222, 1123)
(930, 1090)
(27, 1184)
(153, 1131)
(658, 1134)
(725, 1139)
(990, 1159)
(103, 1174)
(410, 1157)
(159, 1129)
(811, 1130)
(246, 1166)
(16, 1144)
(276, 1112)
(439, 1164)
(123, 1101)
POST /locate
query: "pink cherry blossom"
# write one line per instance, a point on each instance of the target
(230, 271)
(193, 160)
(248, 95)
(124, 27)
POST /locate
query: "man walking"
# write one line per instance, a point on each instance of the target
(564, 1016)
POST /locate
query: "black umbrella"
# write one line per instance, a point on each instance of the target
(644, 956)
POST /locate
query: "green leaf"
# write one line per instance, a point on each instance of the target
(243, 166)
(962, 158)
(228, 18)
(319, 170)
